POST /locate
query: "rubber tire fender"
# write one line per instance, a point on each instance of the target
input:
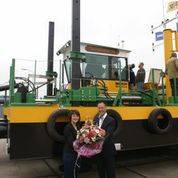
(52, 132)
(153, 121)
(118, 119)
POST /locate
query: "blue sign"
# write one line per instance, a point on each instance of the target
(159, 36)
(177, 26)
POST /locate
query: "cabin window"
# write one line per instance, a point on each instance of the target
(100, 67)
(97, 66)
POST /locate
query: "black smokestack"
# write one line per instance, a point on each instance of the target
(50, 57)
(76, 73)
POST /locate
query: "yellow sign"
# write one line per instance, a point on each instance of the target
(172, 6)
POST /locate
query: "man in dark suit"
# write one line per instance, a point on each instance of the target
(106, 160)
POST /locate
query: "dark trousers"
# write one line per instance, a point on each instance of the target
(69, 160)
(174, 86)
(106, 166)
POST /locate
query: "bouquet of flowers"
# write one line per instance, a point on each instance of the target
(89, 140)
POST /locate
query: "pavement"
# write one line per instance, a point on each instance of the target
(48, 168)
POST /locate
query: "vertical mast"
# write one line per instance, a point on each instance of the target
(76, 72)
(50, 57)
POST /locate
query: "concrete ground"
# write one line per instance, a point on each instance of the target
(48, 168)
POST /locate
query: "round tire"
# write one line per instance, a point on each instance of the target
(160, 121)
(51, 124)
(118, 119)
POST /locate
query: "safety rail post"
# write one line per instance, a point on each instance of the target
(11, 82)
(60, 76)
(153, 87)
(119, 94)
(155, 91)
(163, 93)
(63, 76)
(34, 79)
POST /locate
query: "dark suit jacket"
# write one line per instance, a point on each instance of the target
(109, 126)
(70, 135)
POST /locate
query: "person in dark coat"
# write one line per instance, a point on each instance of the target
(70, 133)
(132, 76)
(106, 160)
(140, 78)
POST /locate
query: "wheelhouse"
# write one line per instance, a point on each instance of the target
(101, 63)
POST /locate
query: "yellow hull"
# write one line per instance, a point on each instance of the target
(40, 114)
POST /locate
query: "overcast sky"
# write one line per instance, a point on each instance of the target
(24, 28)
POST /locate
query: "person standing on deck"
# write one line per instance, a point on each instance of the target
(140, 77)
(172, 71)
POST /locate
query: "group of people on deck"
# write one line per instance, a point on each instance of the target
(171, 70)
(138, 79)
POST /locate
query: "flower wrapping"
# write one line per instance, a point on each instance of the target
(89, 140)
(88, 150)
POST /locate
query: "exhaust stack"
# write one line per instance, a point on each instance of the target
(76, 72)
(50, 57)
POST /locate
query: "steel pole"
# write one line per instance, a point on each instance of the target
(76, 71)
(50, 57)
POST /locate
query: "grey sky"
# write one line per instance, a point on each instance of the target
(24, 28)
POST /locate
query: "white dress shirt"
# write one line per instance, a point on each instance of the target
(101, 119)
